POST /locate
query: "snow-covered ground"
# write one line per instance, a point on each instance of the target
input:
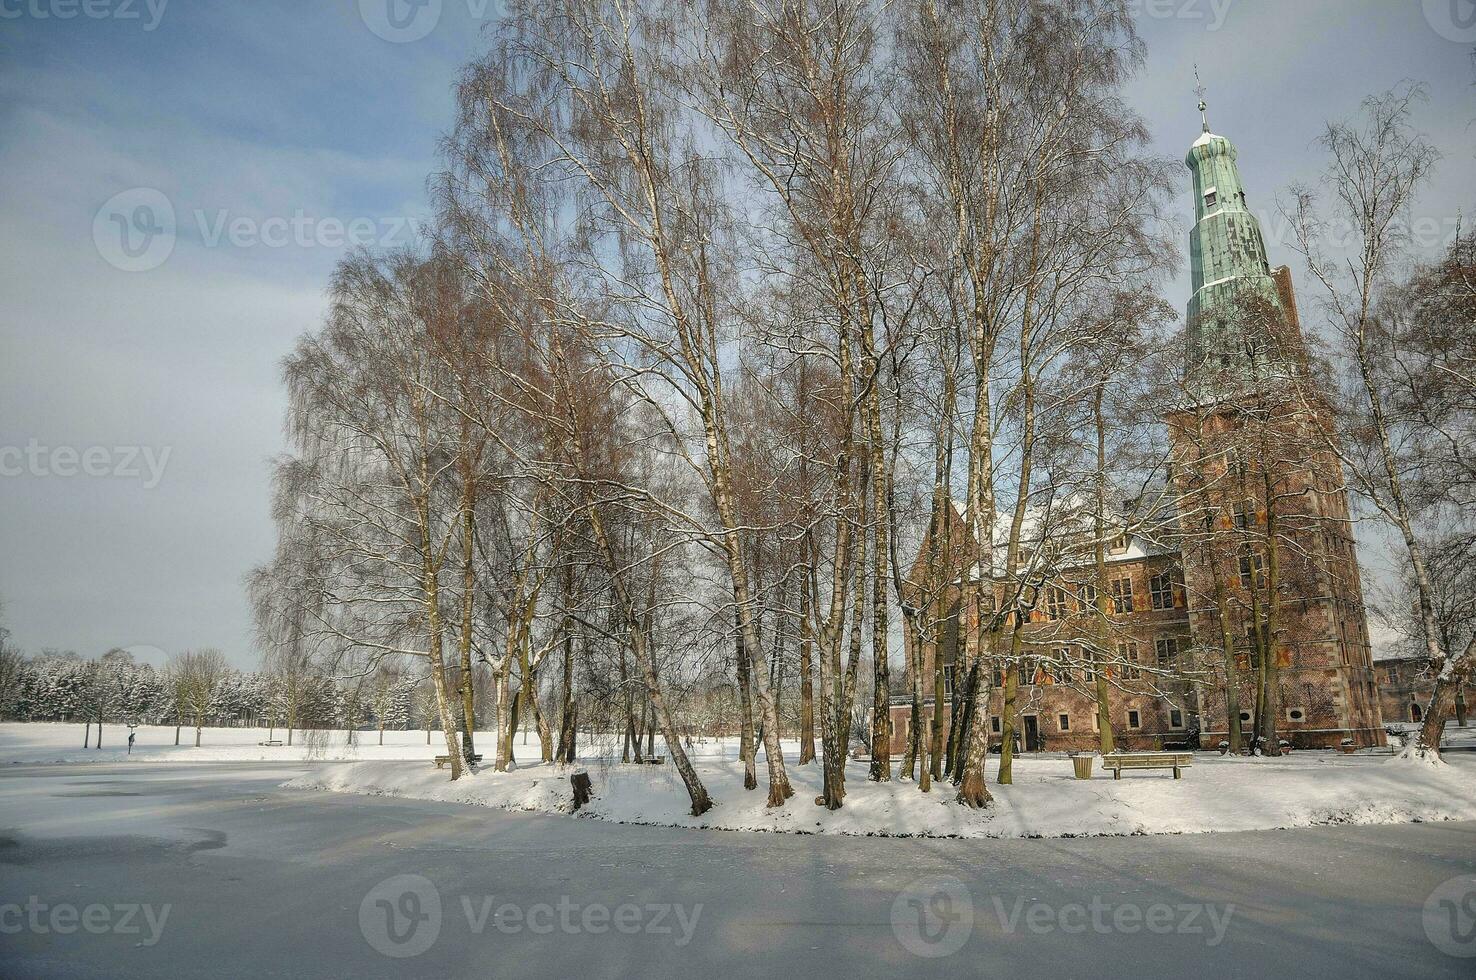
(58, 742)
(1216, 794)
(62, 742)
(1455, 736)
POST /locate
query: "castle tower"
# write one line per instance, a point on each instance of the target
(1269, 554)
(1231, 277)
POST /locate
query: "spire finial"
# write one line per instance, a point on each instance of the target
(1199, 91)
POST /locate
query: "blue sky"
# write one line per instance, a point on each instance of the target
(273, 129)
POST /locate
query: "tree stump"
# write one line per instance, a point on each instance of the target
(580, 782)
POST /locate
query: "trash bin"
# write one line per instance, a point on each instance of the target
(1083, 765)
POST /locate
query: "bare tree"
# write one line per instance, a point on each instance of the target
(378, 472)
(1429, 376)
(1014, 110)
(197, 675)
(1376, 169)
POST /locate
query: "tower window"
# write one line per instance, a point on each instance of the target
(1086, 597)
(1166, 590)
(1253, 645)
(1210, 198)
(1055, 603)
(1060, 668)
(1167, 650)
(1122, 595)
(1251, 570)
(1127, 655)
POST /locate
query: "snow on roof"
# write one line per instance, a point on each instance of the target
(1207, 138)
(1064, 525)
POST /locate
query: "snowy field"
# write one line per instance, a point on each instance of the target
(1216, 794)
(62, 742)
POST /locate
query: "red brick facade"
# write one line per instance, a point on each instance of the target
(1326, 691)
(1151, 705)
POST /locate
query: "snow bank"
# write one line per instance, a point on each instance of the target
(1216, 794)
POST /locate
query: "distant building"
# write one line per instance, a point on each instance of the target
(1406, 685)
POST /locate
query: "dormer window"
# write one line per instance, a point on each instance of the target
(1210, 198)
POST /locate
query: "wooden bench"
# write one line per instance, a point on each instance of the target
(651, 760)
(1118, 761)
(271, 741)
(444, 760)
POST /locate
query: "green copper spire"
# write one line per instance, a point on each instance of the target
(1227, 260)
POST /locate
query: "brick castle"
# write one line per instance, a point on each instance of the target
(1188, 627)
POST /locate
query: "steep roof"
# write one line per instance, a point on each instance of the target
(1061, 532)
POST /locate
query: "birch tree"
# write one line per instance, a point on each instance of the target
(378, 467)
(1376, 168)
